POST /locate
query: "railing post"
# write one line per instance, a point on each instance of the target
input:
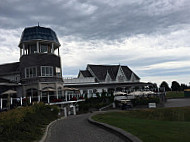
(65, 111)
(1, 103)
(30, 99)
(48, 98)
(66, 97)
(21, 101)
(11, 100)
(38, 98)
(74, 110)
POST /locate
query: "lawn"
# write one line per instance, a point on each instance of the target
(174, 94)
(152, 125)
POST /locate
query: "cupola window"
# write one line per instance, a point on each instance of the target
(44, 48)
(32, 49)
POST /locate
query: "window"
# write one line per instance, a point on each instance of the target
(33, 49)
(46, 71)
(59, 92)
(30, 72)
(58, 72)
(44, 48)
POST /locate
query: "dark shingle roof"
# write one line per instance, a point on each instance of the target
(38, 33)
(86, 73)
(100, 71)
(2, 80)
(9, 68)
(127, 71)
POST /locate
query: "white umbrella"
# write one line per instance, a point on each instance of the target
(9, 92)
(48, 90)
(70, 89)
(136, 93)
(119, 93)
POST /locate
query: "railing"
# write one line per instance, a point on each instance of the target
(7, 103)
(79, 80)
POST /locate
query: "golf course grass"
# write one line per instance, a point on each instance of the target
(152, 125)
(175, 94)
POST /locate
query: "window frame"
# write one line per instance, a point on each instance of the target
(48, 71)
(31, 72)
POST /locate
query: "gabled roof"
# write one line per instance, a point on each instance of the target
(100, 71)
(2, 80)
(86, 73)
(127, 71)
(9, 68)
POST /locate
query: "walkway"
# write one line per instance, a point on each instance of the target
(177, 102)
(78, 129)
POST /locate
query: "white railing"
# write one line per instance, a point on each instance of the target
(79, 80)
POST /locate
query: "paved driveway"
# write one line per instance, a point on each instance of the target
(78, 129)
(177, 102)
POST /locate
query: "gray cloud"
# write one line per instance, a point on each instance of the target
(141, 34)
(96, 19)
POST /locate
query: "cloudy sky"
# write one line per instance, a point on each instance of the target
(152, 37)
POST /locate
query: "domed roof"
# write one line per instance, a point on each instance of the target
(39, 33)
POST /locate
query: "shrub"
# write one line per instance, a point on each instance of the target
(26, 123)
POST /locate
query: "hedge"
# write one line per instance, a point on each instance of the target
(26, 124)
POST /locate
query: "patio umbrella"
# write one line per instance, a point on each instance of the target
(119, 93)
(48, 90)
(136, 93)
(9, 92)
(70, 89)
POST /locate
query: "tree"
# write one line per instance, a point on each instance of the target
(175, 86)
(184, 86)
(165, 85)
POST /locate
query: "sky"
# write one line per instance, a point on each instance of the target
(152, 37)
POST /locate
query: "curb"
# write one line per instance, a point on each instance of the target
(48, 128)
(128, 137)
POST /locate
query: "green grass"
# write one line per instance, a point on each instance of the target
(174, 94)
(152, 125)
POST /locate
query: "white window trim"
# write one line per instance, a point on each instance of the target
(51, 75)
(29, 72)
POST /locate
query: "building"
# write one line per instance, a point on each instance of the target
(39, 71)
(105, 78)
